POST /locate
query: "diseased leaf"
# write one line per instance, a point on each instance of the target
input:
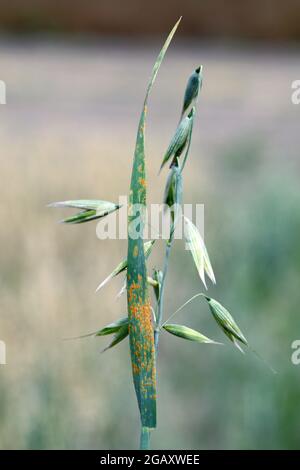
(123, 265)
(150, 281)
(91, 210)
(187, 333)
(141, 335)
(226, 322)
(196, 246)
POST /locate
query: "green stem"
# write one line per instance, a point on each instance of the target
(145, 438)
(162, 291)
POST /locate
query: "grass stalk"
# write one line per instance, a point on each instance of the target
(145, 438)
(160, 305)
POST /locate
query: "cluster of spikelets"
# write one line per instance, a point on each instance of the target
(177, 150)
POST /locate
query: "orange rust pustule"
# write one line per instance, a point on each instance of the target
(142, 182)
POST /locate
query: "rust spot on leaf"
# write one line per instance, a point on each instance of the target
(142, 182)
(135, 251)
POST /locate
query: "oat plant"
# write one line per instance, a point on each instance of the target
(144, 322)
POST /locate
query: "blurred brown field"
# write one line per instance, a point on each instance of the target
(68, 131)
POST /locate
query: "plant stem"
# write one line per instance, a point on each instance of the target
(145, 438)
(161, 298)
(178, 200)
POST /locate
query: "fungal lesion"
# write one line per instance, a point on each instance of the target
(135, 251)
(142, 182)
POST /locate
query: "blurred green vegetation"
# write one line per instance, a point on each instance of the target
(73, 138)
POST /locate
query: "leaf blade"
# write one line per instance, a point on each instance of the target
(141, 335)
(121, 334)
(112, 327)
(123, 265)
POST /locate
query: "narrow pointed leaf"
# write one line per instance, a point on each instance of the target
(121, 334)
(226, 322)
(122, 290)
(123, 265)
(196, 246)
(107, 330)
(120, 268)
(187, 333)
(141, 335)
(113, 327)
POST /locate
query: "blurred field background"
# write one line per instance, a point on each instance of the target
(68, 131)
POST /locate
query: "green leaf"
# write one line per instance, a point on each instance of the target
(141, 335)
(113, 327)
(192, 89)
(107, 330)
(123, 289)
(187, 333)
(91, 209)
(196, 246)
(120, 268)
(121, 334)
(179, 140)
(123, 265)
(226, 322)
